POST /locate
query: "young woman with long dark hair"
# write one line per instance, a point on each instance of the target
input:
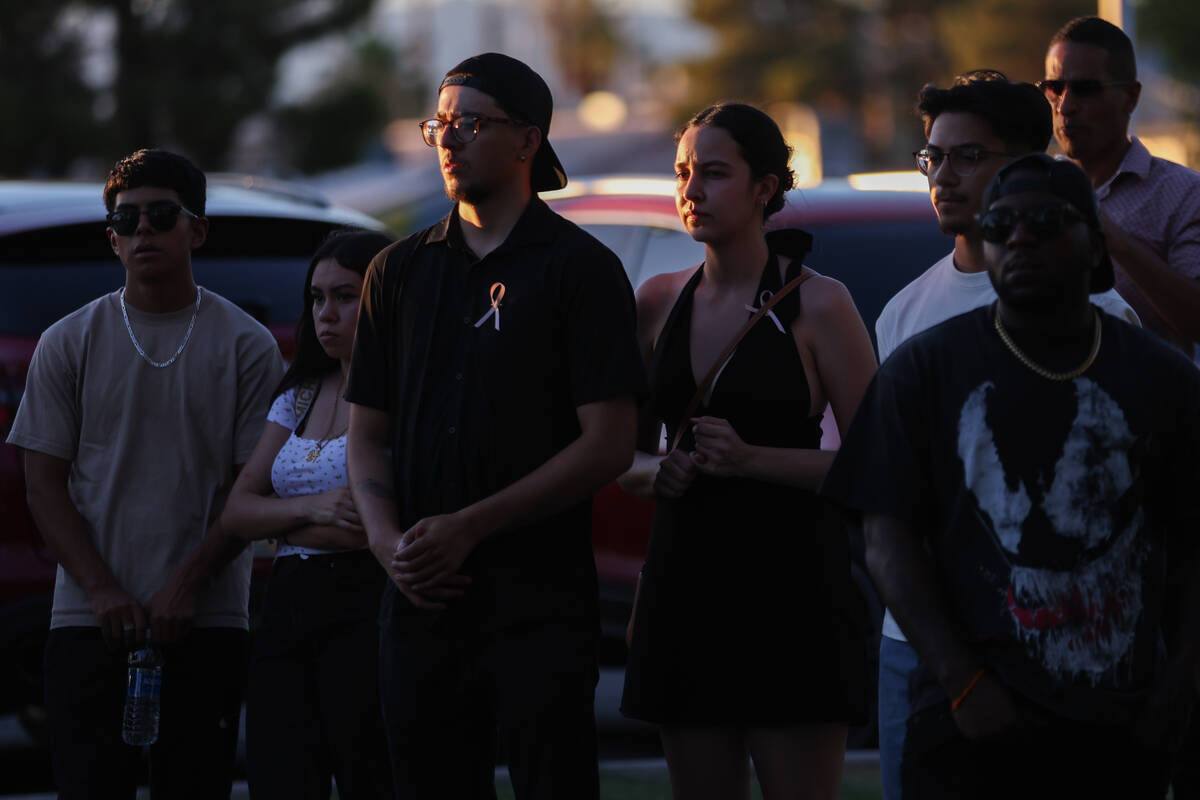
(312, 708)
(741, 645)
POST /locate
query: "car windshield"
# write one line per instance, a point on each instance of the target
(257, 263)
(874, 259)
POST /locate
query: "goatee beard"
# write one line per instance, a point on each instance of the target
(471, 194)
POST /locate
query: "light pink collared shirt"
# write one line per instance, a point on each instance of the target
(1157, 202)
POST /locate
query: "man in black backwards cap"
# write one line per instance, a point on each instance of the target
(493, 385)
(1029, 481)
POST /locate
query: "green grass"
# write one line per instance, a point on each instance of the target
(860, 782)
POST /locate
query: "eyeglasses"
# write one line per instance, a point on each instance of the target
(998, 224)
(1082, 87)
(465, 128)
(964, 159)
(162, 215)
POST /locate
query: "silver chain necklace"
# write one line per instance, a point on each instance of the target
(138, 346)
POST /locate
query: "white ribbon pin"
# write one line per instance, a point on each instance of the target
(763, 298)
(496, 293)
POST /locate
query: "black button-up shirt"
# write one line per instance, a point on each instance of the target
(481, 364)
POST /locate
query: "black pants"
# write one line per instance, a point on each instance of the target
(312, 710)
(446, 690)
(204, 676)
(1062, 759)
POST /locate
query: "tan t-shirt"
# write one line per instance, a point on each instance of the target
(152, 450)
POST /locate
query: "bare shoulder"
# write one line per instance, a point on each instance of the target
(825, 298)
(657, 295)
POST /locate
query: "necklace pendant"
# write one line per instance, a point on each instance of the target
(313, 454)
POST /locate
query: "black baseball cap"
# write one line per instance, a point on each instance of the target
(524, 96)
(1038, 172)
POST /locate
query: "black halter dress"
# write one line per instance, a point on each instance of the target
(742, 617)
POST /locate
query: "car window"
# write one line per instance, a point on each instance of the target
(877, 259)
(257, 263)
(646, 250)
(669, 251)
(269, 289)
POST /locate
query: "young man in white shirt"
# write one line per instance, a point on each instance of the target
(972, 129)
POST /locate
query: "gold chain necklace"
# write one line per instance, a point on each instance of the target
(315, 453)
(1039, 369)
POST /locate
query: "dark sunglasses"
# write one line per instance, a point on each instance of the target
(1083, 87)
(998, 224)
(162, 215)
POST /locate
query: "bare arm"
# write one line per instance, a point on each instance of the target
(327, 519)
(655, 299)
(843, 360)
(907, 582)
(436, 546)
(1174, 296)
(368, 444)
(122, 620)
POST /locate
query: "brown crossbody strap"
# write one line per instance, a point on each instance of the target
(728, 351)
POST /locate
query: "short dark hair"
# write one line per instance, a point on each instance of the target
(1122, 65)
(1017, 113)
(352, 249)
(759, 142)
(159, 168)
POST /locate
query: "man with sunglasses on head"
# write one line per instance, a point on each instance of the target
(139, 409)
(1151, 206)
(1028, 478)
(973, 128)
(492, 390)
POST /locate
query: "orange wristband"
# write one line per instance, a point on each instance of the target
(958, 701)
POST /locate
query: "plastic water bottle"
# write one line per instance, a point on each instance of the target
(142, 694)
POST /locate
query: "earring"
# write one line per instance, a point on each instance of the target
(523, 156)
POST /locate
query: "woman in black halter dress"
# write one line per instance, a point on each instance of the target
(742, 648)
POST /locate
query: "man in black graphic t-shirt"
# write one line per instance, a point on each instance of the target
(1028, 477)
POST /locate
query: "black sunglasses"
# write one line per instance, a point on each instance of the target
(162, 215)
(998, 224)
(1082, 87)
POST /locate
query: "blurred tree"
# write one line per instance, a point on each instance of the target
(187, 72)
(1008, 35)
(50, 108)
(1172, 26)
(341, 123)
(586, 43)
(863, 61)
(776, 50)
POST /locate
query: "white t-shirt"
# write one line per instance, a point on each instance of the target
(939, 293)
(152, 450)
(942, 292)
(293, 475)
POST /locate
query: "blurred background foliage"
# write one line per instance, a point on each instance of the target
(197, 75)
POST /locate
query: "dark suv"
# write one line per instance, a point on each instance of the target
(54, 258)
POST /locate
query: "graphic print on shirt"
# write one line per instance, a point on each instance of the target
(1079, 623)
